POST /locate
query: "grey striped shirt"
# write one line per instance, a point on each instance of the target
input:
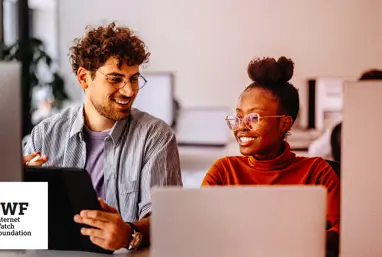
(140, 152)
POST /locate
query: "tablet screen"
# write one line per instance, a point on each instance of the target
(70, 190)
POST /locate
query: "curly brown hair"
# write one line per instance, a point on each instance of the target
(101, 43)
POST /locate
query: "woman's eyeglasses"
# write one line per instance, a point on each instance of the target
(250, 121)
(137, 82)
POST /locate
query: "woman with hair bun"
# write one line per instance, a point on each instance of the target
(265, 113)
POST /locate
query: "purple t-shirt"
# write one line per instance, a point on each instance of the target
(95, 142)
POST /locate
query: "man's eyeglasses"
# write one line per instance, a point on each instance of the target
(137, 82)
(251, 121)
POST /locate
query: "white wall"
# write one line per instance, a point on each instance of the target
(209, 43)
(45, 24)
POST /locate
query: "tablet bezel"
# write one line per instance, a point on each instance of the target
(70, 190)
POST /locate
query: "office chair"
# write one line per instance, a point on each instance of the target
(335, 142)
(336, 167)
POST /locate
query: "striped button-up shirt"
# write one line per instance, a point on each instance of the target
(140, 152)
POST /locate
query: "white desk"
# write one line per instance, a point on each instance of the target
(51, 253)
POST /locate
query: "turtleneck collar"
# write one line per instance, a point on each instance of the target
(276, 164)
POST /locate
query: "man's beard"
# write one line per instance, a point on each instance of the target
(112, 113)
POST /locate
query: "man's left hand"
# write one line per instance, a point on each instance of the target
(108, 231)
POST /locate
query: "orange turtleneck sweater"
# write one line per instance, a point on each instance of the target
(284, 169)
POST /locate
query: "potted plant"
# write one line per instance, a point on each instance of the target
(41, 72)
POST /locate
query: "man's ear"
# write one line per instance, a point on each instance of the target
(285, 124)
(83, 77)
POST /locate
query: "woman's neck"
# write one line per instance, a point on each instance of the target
(277, 159)
(273, 153)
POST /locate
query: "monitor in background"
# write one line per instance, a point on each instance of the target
(328, 102)
(239, 221)
(157, 96)
(10, 115)
(325, 101)
(203, 127)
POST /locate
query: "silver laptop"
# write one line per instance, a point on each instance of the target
(10, 115)
(361, 205)
(261, 221)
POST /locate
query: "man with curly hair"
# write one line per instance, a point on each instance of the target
(125, 151)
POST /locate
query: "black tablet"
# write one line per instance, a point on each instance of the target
(70, 190)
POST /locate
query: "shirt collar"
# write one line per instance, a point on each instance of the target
(78, 123)
(115, 133)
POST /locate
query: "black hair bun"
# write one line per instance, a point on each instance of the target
(268, 71)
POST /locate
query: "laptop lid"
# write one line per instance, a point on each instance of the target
(272, 221)
(361, 205)
(10, 129)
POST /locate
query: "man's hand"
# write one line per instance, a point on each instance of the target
(107, 207)
(43, 159)
(109, 230)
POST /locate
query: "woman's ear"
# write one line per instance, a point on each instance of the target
(285, 124)
(83, 77)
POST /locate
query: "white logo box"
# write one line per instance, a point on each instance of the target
(23, 215)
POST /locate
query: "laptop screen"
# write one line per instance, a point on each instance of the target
(10, 129)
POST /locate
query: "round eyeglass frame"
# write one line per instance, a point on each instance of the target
(259, 117)
(123, 83)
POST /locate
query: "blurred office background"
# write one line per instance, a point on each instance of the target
(200, 51)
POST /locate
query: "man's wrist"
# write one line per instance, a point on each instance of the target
(135, 237)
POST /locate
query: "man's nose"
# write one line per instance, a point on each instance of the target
(127, 90)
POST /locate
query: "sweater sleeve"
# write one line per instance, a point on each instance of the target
(330, 180)
(214, 176)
